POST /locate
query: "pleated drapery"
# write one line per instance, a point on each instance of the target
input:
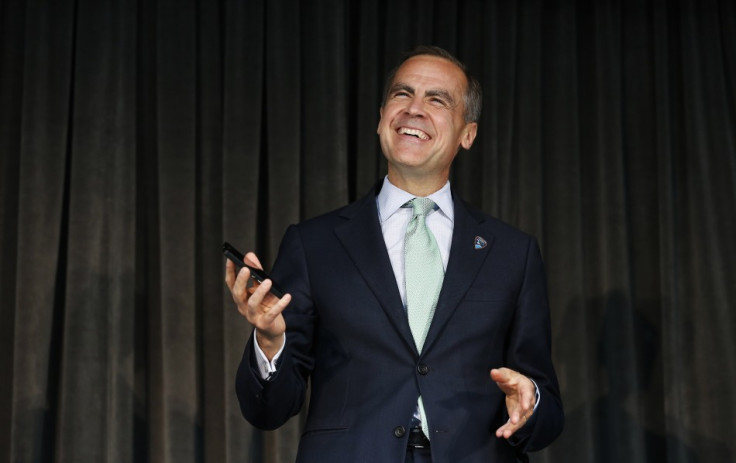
(137, 136)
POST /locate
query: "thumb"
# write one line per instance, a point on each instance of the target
(500, 375)
(252, 260)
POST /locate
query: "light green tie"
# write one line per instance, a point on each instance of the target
(424, 274)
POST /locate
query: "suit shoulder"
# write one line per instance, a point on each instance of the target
(499, 227)
(326, 219)
(365, 205)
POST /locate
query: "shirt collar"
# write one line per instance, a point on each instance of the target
(391, 198)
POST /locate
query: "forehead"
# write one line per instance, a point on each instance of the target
(431, 72)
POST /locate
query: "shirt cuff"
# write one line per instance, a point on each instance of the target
(538, 397)
(265, 368)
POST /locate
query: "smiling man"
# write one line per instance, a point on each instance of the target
(421, 325)
(423, 123)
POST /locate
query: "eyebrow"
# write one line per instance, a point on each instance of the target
(401, 86)
(444, 94)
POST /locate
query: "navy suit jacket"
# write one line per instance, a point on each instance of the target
(348, 336)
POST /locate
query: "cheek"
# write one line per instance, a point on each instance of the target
(382, 130)
(383, 120)
(384, 124)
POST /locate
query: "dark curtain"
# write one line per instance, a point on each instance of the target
(136, 136)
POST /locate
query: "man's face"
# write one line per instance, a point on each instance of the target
(422, 122)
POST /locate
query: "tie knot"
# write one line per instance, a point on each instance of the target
(422, 206)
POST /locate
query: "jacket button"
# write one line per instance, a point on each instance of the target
(399, 431)
(423, 369)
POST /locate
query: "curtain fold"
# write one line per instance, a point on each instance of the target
(136, 137)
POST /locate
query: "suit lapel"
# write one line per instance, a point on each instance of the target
(362, 239)
(463, 266)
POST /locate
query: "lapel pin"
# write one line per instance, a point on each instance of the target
(480, 243)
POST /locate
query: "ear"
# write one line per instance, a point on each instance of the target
(468, 136)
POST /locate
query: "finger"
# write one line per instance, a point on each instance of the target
(516, 416)
(239, 288)
(501, 375)
(252, 260)
(257, 296)
(507, 430)
(264, 307)
(229, 274)
(265, 311)
(511, 381)
(508, 376)
(526, 391)
(275, 310)
(253, 287)
(261, 296)
(527, 396)
(506, 380)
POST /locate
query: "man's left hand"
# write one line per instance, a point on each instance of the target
(520, 399)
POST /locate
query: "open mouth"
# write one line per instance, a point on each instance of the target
(413, 133)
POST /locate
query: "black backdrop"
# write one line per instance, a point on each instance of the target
(136, 136)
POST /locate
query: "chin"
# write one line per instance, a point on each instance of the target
(409, 160)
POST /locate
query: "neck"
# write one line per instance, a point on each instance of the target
(417, 186)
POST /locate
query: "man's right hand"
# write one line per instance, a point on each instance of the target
(261, 308)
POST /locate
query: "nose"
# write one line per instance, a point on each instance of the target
(415, 107)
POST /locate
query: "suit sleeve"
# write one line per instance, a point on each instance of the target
(269, 404)
(529, 352)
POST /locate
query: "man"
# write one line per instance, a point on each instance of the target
(474, 382)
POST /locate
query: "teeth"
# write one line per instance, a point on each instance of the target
(415, 132)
